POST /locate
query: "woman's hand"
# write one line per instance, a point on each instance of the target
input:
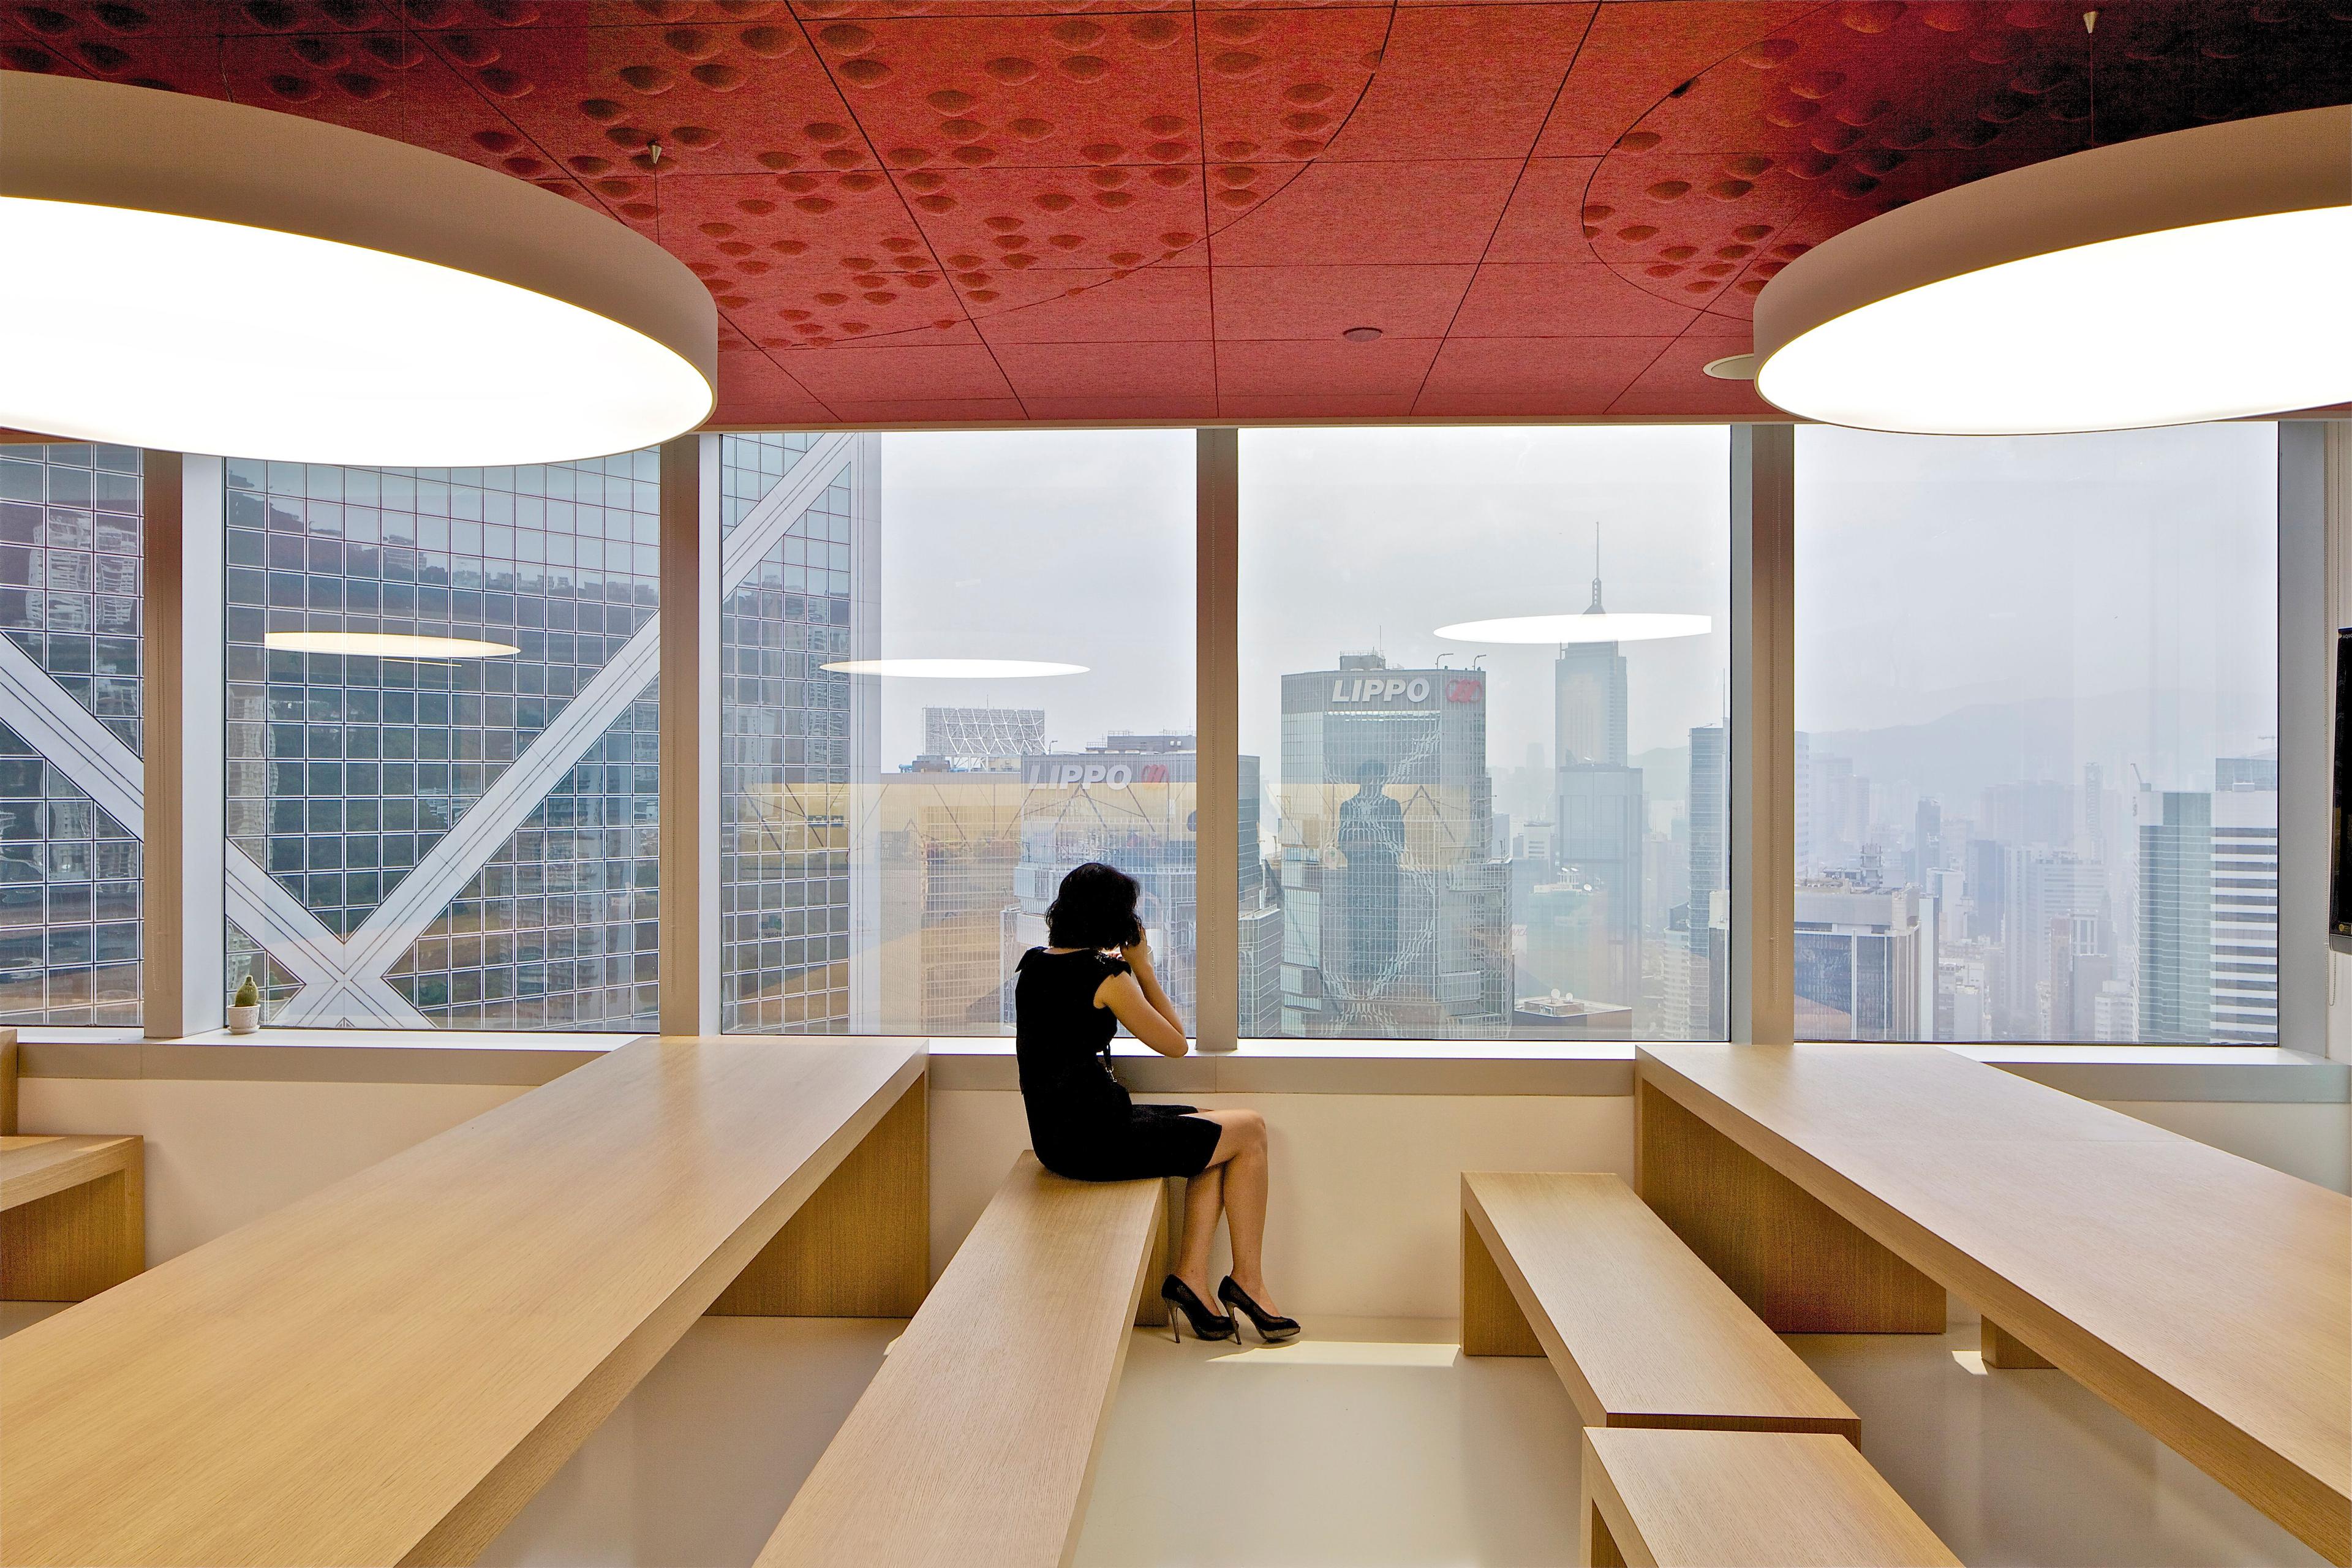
(1138, 954)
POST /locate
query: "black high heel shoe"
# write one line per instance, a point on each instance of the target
(1271, 1327)
(1206, 1325)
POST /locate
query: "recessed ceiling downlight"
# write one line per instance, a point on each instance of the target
(2175, 278)
(387, 645)
(952, 668)
(208, 276)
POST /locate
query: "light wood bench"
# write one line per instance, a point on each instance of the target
(1744, 1499)
(975, 1443)
(1845, 1188)
(73, 1210)
(1640, 1331)
(385, 1371)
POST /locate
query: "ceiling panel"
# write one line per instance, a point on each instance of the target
(940, 211)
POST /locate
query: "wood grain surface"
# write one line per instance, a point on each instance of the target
(974, 1445)
(1797, 1265)
(1745, 1500)
(75, 1217)
(385, 1371)
(1639, 1330)
(2205, 1297)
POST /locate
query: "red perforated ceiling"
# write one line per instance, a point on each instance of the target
(1015, 210)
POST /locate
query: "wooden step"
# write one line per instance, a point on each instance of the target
(974, 1445)
(1642, 1333)
(1744, 1499)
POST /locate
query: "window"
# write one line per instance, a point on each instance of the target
(2037, 776)
(465, 842)
(1482, 839)
(888, 845)
(70, 782)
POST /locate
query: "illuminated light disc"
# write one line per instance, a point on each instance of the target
(2172, 328)
(1611, 626)
(2166, 279)
(952, 668)
(207, 277)
(387, 645)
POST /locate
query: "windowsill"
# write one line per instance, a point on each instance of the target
(2245, 1074)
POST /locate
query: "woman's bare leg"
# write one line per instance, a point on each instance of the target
(1240, 1165)
(1203, 1196)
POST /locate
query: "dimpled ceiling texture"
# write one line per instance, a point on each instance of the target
(1009, 210)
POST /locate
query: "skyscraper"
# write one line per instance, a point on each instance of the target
(2245, 901)
(1707, 950)
(1599, 819)
(1127, 802)
(2175, 916)
(1395, 921)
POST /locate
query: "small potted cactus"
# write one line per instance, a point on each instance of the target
(245, 1008)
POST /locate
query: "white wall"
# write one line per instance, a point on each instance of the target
(1365, 1219)
(1367, 1206)
(223, 1151)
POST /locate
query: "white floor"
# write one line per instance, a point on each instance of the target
(1373, 1444)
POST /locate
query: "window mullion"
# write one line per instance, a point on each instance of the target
(182, 594)
(1763, 742)
(1216, 838)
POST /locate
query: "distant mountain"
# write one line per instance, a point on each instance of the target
(2173, 739)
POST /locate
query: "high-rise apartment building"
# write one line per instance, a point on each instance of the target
(1395, 921)
(2245, 901)
(1860, 964)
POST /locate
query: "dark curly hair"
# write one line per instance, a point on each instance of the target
(1095, 908)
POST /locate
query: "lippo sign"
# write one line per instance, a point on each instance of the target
(1411, 690)
(1109, 770)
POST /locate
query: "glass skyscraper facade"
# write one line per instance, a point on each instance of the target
(467, 843)
(1396, 917)
(799, 592)
(70, 786)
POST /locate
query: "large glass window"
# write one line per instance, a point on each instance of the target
(890, 843)
(446, 842)
(71, 787)
(1474, 837)
(2037, 772)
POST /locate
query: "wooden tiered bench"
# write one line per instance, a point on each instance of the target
(1577, 1268)
(73, 1210)
(386, 1371)
(1744, 1499)
(1845, 1187)
(974, 1445)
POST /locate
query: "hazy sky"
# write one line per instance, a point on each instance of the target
(1936, 572)
(1932, 573)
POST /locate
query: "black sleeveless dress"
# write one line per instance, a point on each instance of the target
(1081, 1122)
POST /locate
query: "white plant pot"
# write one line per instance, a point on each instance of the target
(244, 1020)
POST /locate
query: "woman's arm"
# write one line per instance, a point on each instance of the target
(1148, 1021)
(1138, 954)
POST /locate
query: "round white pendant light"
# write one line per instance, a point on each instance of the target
(387, 645)
(2192, 276)
(952, 668)
(1606, 627)
(205, 277)
(1593, 623)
